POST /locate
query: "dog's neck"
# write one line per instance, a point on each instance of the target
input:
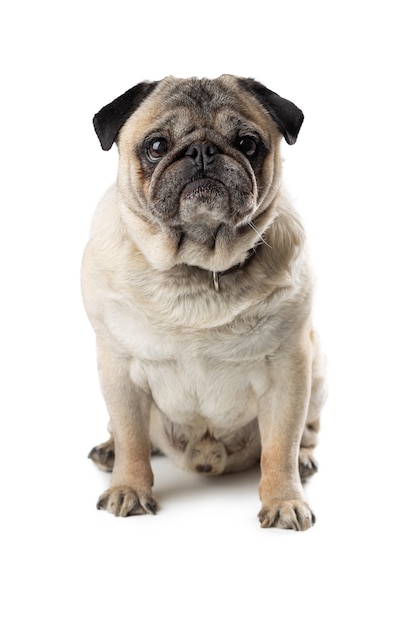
(216, 276)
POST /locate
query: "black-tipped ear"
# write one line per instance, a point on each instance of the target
(109, 120)
(285, 114)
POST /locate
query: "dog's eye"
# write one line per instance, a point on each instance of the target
(157, 148)
(248, 146)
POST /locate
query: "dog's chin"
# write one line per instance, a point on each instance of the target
(205, 215)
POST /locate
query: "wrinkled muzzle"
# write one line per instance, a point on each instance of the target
(202, 186)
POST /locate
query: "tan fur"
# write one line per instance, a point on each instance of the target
(214, 380)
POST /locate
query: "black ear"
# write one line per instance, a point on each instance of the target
(109, 120)
(285, 114)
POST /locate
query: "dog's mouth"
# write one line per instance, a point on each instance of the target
(202, 189)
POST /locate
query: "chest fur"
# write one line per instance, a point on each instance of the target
(213, 374)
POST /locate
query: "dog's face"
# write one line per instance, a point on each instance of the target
(199, 164)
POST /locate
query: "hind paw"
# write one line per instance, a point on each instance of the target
(307, 464)
(103, 455)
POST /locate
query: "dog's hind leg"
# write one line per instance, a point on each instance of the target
(307, 463)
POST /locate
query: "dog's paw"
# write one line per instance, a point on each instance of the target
(307, 464)
(103, 455)
(292, 514)
(125, 501)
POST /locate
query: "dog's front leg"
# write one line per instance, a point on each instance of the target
(282, 414)
(130, 491)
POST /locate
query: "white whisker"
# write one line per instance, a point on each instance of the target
(252, 225)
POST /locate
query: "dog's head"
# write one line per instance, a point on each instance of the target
(199, 164)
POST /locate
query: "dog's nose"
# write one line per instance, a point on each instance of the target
(202, 153)
(204, 469)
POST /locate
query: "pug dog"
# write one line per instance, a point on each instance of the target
(198, 286)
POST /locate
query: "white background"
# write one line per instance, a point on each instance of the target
(203, 559)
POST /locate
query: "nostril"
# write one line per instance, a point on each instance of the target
(204, 469)
(192, 152)
(209, 149)
(202, 153)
